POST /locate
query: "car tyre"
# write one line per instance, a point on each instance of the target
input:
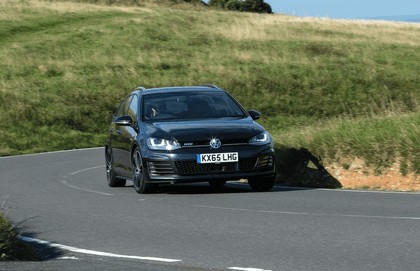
(262, 184)
(140, 176)
(112, 180)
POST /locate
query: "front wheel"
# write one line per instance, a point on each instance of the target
(140, 177)
(112, 180)
(262, 184)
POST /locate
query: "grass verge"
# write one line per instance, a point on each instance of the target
(381, 142)
(11, 248)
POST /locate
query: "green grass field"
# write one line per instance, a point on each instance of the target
(339, 88)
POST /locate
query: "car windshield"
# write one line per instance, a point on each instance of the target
(189, 105)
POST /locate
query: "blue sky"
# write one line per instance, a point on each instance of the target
(346, 8)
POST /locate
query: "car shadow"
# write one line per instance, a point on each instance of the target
(196, 188)
(204, 188)
(299, 167)
(296, 169)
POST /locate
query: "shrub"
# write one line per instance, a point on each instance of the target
(11, 248)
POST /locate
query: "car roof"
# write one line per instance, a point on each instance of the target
(178, 89)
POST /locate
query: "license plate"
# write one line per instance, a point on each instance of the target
(216, 158)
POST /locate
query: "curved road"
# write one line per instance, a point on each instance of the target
(63, 198)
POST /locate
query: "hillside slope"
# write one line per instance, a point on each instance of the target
(342, 89)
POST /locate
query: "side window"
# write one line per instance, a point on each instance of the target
(123, 109)
(126, 105)
(119, 112)
(133, 108)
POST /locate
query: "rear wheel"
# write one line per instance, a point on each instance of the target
(113, 181)
(140, 177)
(262, 184)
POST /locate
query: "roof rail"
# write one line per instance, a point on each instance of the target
(140, 88)
(211, 86)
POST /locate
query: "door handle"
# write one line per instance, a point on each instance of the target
(119, 132)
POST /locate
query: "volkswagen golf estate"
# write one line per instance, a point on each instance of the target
(187, 134)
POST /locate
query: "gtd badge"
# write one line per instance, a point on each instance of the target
(215, 143)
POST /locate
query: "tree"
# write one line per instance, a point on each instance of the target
(234, 5)
(242, 5)
(218, 3)
(258, 6)
(190, 1)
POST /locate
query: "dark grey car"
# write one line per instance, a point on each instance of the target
(187, 134)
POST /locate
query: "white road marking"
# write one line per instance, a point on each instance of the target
(372, 191)
(247, 269)
(50, 152)
(336, 190)
(349, 190)
(94, 252)
(68, 258)
(86, 169)
(307, 214)
(83, 189)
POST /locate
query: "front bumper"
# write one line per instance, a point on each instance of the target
(181, 165)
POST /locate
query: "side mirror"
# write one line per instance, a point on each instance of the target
(254, 114)
(123, 120)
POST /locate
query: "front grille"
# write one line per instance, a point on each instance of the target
(247, 164)
(160, 168)
(235, 141)
(188, 168)
(192, 168)
(265, 161)
(226, 142)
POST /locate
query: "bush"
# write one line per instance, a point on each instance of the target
(11, 248)
(258, 6)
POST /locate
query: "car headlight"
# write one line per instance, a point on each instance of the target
(260, 139)
(161, 144)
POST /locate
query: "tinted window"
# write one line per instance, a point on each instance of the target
(190, 105)
(133, 108)
(126, 105)
(120, 110)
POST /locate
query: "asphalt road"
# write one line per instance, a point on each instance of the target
(63, 198)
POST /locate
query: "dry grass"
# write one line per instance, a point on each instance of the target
(283, 27)
(357, 175)
(62, 7)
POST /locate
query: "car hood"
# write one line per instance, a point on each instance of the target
(203, 130)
